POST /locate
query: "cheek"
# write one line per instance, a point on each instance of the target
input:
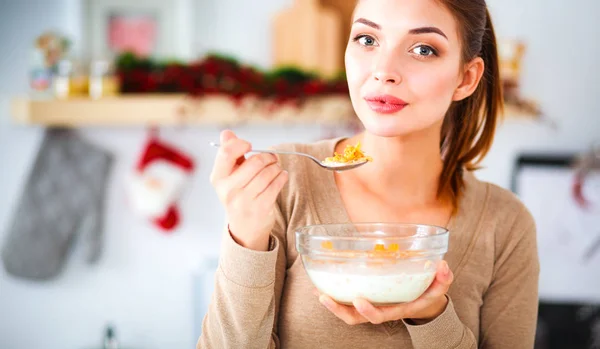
(432, 89)
(357, 71)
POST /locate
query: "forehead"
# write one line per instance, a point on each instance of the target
(399, 16)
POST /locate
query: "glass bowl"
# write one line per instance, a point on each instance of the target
(384, 263)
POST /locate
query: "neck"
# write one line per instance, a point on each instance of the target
(407, 168)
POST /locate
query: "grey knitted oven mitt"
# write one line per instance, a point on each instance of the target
(63, 197)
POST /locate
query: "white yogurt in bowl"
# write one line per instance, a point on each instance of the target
(384, 263)
(377, 289)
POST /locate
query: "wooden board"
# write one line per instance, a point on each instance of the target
(307, 36)
(345, 8)
(149, 110)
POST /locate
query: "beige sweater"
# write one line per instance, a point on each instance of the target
(265, 299)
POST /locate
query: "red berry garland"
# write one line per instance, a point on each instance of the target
(222, 75)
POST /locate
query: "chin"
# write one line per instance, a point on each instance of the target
(396, 125)
(382, 131)
(388, 125)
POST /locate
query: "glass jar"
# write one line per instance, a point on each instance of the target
(103, 80)
(69, 80)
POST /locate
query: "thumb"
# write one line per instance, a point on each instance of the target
(444, 274)
(441, 283)
(227, 135)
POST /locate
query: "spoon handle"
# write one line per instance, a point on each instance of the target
(216, 145)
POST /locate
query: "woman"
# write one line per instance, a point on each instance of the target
(423, 78)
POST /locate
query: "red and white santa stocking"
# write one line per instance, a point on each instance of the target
(157, 183)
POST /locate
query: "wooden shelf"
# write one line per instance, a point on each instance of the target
(158, 109)
(166, 110)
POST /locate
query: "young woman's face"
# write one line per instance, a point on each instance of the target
(402, 65)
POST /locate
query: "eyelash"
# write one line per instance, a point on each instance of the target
(361, 36)
(434, 52)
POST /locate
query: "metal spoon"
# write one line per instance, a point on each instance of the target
(327, 166)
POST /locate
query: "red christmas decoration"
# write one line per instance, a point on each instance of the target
(225, 76)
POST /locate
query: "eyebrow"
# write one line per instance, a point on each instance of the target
(368, 23)
(415, 31)
(427, 30)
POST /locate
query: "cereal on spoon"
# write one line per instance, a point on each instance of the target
(351, 155)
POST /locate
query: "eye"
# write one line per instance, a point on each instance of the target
(366, 40)
(424, 50)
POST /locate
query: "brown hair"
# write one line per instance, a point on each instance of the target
(469, 125)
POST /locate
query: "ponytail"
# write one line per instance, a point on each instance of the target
(469, 125)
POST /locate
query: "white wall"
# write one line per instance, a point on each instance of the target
(560, 71)
(144, 283)
(239, 28)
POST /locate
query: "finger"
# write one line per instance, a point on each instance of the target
(229, 155)
(441, 283)
(370, 312)
(270, 194)
(436, 291)
(346, 313)
(245, 173)
(262, 180)
(226, 135)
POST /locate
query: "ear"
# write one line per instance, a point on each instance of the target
(470, 79)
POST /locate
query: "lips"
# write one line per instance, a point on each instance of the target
(385, 104)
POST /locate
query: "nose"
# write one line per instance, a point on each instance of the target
(387, 77)
(386, 71)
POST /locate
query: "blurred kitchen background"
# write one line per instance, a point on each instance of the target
(92, 92)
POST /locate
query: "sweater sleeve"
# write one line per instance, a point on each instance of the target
(445, 331)
(509, 312)
(244, 305)
(510, 305)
